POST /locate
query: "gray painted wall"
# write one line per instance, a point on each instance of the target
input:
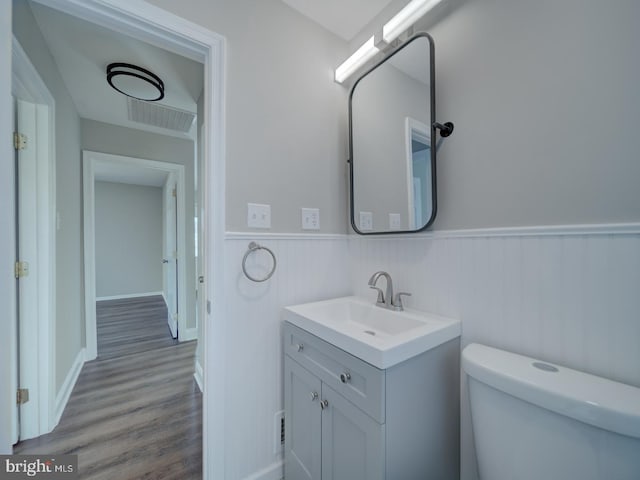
(128, 223)
(69, 266)
(286, 124)
(7, 233)
(553, 161)
(106, 138)
(542, 94)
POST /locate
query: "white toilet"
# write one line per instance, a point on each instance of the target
(537, 421)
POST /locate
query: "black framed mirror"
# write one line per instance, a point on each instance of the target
(392, 142)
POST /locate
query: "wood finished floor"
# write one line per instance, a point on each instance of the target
(132, 325)
(135, 412)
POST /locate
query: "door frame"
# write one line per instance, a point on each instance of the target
(92, 162)
(7, 235)
(161, 28)
(411, 127)
(37, 368)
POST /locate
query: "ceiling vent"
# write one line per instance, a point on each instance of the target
(160, 115)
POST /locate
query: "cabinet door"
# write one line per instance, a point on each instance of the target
(352, 441)
(302, 423)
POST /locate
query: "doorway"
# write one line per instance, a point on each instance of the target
(98, 166)
(169, 31)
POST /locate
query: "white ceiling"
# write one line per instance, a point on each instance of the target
(82, 51)
(345, 18)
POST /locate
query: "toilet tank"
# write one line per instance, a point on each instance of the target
(533, 420)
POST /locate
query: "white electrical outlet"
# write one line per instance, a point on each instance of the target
(258, 216)
(394, 221)
(310, 218)
(366, 221)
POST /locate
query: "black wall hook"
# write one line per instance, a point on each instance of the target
(446, 129)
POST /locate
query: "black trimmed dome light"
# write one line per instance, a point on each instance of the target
(135, 82)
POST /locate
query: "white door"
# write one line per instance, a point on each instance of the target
(170, 259)
(27, 254)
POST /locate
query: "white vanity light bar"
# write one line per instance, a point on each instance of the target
(406, 17)
(367, 51)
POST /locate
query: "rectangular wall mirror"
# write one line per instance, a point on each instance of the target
(392, 142)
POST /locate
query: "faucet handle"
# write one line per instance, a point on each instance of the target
(380, 299)
(397, 300)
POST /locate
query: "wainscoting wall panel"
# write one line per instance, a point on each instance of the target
(309, 268)
(567, 296)
(572, 299)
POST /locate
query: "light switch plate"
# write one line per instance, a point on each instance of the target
(310, 218)
(258, 215)
(366, 221)
(394, 221)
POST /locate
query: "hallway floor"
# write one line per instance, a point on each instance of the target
(136, 411)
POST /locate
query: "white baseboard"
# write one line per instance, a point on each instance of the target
(199, 376)
(275, 471)
(67, 387)
(129, 295)
(188, 334)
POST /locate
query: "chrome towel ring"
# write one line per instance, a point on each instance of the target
(253, 246)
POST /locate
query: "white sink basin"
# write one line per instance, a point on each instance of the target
(376, 335)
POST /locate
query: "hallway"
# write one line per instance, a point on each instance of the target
(136, 411)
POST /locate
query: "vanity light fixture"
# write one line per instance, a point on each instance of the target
(406, 17)
(367, 51)
(135, 82)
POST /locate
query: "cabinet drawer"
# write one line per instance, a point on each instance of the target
(355, 379)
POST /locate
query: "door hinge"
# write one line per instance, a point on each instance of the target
(22, 396)
(19, 141)
(173, 193)
(21, 269)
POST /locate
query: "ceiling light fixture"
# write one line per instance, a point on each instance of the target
(406, 17)
(367, 51)
(135, 82)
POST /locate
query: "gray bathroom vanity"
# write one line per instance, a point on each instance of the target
(348, 419)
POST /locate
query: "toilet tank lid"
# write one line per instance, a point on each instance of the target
(590, 399)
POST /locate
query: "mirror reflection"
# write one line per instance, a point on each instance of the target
(392, 162)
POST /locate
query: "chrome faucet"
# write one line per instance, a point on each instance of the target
(387, 300)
